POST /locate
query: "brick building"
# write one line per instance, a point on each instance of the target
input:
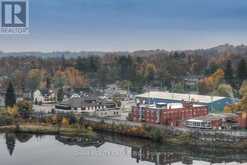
(172, 114)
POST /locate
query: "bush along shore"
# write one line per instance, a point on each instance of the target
(47, 129)
(162, 134)
(49, 124)
(72, 125)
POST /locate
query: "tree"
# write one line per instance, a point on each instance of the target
(75, 79)
(242, 71)
(103, 76)
(225, 90)
(72, 119)
(65, 122)
(229, 73)
(34, 78)
(211, 83)
(150, 71)
(59, 79)
(10, 97)
(60, 94)
(211, 69)
(24, 108)
(178, 88)
(243, 89)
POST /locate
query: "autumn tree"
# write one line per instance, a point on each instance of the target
(149, 73)
(243, 89)
(24, 108)
(19, 78)
(59, 79)
(210, 83)
(34, 78)
(75, 79)
(242, 105)
(225, 90)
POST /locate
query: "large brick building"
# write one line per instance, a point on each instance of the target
(172, 114)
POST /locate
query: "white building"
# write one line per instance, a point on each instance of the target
(90, 106)
(44, 97)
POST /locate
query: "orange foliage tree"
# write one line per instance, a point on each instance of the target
(75, 78)
(210, 83)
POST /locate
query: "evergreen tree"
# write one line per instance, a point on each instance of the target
(60, 94)
(229, 73)
(242, 72)
(10, 97)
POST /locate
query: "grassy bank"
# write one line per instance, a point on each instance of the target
(47, 129)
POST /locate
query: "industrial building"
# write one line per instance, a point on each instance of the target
(214, 103)
(172, 114)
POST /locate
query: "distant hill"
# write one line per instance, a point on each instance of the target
(240, 50)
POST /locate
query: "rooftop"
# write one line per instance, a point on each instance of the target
(180, 97)
(167, 106)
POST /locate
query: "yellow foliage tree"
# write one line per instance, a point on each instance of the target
(65, 122)
(243, 89)
(232, 108)
(210, 83)
(12, 111)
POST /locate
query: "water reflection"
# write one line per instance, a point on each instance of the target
(142, 150)
(10, 139)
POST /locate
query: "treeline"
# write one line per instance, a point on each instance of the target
(161, 69)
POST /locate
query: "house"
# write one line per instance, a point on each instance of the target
(214, 103)
(88, 105)
(44, 97)
(172, 114)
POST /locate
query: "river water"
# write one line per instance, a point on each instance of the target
(26, 149)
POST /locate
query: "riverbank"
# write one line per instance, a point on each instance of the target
(47, 129)
(170, 135)
(152, 132)
(146, 132)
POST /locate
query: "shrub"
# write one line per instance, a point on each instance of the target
(12, 111)
(24, 108)
(156, 135)
(72, 119)
(6, 120)
(65, 122)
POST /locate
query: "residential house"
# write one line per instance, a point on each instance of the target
(44, 97)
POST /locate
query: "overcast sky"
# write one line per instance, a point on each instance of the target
(112, 25)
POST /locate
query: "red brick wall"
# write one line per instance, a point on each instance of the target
(135, 114)
(172, 117)
(151, 116)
